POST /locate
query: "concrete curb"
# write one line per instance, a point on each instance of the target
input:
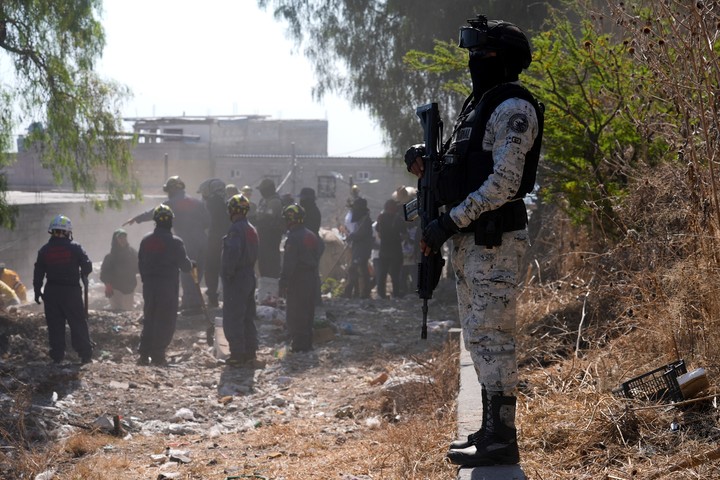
(469, 418)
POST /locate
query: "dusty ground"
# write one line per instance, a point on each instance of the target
(334, 411)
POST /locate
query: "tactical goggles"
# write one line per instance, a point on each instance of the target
(472, 38)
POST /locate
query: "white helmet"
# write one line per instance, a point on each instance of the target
(60, 222)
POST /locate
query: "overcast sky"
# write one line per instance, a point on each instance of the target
(221, 57)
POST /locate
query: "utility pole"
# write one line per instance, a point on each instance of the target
(294, 169)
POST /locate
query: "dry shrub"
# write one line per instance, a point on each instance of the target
(647, 301)
(82, 444)
(21, 454)
(662, 275)
(431, 393)
(97, 468)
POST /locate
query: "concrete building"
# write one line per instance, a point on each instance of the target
(237, 149)
(242, 150)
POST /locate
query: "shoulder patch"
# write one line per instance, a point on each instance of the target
(519, 123)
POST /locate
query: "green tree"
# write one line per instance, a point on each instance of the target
(368, 39)
(50, 48)
(597, 127)
(594, 93)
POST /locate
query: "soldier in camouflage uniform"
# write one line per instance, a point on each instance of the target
(487, 167)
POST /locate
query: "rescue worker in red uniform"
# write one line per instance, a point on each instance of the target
(239, 254)
(118, 272)
(213, 194)
(63, 263)
(298, 279)
(161, 257)
(191, 221)
(270, 229)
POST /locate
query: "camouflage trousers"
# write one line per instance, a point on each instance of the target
(487, 287)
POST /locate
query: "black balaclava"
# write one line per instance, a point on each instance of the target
(486, 73)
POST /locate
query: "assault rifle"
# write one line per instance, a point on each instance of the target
(426, 205)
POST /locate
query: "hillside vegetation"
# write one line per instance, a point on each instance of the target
(624, 280)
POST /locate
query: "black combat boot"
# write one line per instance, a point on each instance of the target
(497, 444)
(473, 437)
(158, 360)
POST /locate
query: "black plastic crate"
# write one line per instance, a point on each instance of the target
(660, 385)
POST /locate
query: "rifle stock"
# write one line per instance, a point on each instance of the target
(430, 266)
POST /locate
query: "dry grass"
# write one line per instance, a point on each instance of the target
(400, 433)
(585, 328)
(647, 301)
(588, 322)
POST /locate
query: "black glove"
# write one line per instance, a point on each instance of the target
(438, 231)
(417, 150)
(38, 296)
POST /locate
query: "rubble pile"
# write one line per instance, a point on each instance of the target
(362, 346)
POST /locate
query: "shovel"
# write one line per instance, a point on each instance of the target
(210, 332)
(85, 293)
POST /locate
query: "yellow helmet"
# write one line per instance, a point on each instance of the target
(238, 204)
(163, 214)
(293, 214)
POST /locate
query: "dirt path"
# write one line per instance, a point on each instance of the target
(370, 351)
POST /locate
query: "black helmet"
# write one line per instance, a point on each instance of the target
(505, 37)
(173, 183)
(212, 186)
(267, 184)
(163, 214)
(360, 204)
(307, 193)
